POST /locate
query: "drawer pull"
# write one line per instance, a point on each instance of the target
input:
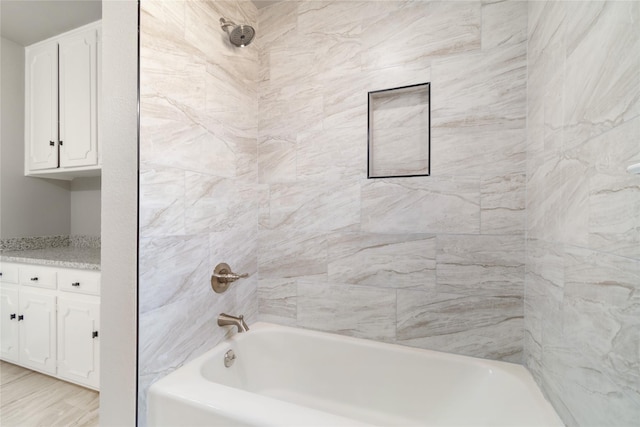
(21, 317)
(12, 316)
(76, 284)
(34, 279)
(94, 334)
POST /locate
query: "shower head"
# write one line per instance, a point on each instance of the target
(239, 35)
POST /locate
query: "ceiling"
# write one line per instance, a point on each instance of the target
(29, 21)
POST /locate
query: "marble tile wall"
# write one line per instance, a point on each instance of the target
(198, 172)
(582, 284)
(434, 262)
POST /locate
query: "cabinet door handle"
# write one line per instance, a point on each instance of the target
(0, 273)
(34, 279)
(12, 316)
(60, 142)
(76, 284)
(52, 143)
(94, 334)
(21, 317)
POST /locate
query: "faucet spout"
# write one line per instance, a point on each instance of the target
(228, 320)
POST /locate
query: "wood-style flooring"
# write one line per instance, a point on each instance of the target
(31, 399)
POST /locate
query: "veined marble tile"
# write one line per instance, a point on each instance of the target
(399, 151)
(278, 22)
(421, 205)
(289, 109)
(489, 266)
(486, 89)
(585, 393)
(332, 154)
(345, 101)
(218, 204)
(291, 254)
(479, 326)
(239, 249)
(277, 159)
(330, 17)
(602, 313)
(502, 204)
(544, 292)
(162, 201)
(420, 30)
(383, 260)
(606, 95)
(504, 23)
(170, 268)
(358, 311)
(277, 301)
(613, 205)
(477, 151)
(315, 205)
(545, 183)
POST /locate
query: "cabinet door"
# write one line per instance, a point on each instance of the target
(41, 87)
(78, 341)
(78, 100)
(9, 341)
(38, 330)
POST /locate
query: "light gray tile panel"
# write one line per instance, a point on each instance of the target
(315, 205)
(358, 311)
(503, 23)
(486, 89)
(277, 301)
(383, 260)
(607, 95)
(491, 266)
(502, 205)
(172, 268)
(291, 254)
(421, 205)
(477, 151)
(422, 30)
(489, 327)
(218, 204)
(162, 201)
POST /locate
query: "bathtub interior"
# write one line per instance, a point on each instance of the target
(377, 383)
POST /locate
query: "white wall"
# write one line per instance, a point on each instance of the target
(119, 217)
(30, 206)
(85, 206)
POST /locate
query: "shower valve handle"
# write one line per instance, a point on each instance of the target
(223, 276)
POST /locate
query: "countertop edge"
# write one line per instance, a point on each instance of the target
(51, 263)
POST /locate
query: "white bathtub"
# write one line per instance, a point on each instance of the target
(293, 377)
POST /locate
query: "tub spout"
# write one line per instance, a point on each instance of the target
(228, 320)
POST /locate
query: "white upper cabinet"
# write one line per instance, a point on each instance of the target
(41, 133)
(62, 90)
(78, 100)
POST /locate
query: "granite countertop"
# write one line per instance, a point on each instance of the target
(66, 256)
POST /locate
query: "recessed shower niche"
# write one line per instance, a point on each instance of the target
(399, 135)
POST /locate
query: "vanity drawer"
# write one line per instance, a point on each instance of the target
(41, 277)
(8, 273)
(80, 281)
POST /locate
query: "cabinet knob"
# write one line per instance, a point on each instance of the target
(52, 143)
(12, 316)
(76, 284)
(94, 334)
(34, 279)
(60, 142)
(0, 273)
(21, 317)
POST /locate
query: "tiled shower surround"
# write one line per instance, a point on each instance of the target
(582, 292)
(257, 157)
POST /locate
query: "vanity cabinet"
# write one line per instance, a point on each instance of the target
(50, 321)
(61, 107)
